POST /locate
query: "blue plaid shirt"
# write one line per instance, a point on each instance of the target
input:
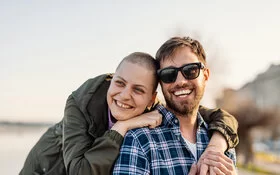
(161, 150)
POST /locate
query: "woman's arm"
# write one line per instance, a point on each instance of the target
(222, 122)
(224, 134)
(150, 119)
(84, 154)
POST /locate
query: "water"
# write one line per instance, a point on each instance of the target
(15, 144)
(17, 141)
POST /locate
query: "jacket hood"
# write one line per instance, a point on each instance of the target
(93, 92)
(84, 93)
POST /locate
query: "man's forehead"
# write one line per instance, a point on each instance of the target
(179, 57)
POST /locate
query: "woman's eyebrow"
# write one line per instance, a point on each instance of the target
(137, 85)
(119, 77)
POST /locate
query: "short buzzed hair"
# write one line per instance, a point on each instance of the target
(171, 45)
(145, 60)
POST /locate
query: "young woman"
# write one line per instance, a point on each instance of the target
(97, 116)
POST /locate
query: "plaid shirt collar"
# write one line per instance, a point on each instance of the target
(170, 120)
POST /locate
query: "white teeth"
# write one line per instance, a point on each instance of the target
(122, 105)
(183, 92)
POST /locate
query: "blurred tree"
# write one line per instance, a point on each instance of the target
(249, 116)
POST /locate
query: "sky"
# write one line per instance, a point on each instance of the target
(49, 48)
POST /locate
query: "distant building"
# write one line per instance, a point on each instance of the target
(264, 92)
(265, 89)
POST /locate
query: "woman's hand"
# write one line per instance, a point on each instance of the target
(218, 144)
(150, 119)
(205, 169)
(214, 162)
(222, 165)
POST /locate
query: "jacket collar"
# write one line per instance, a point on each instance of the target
(90, 98)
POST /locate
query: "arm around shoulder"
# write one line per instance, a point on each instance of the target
(223, 122)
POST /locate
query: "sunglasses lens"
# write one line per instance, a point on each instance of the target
(168, 75)
(191, 71)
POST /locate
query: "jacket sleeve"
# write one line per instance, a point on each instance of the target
(83, 154)
(223, 122)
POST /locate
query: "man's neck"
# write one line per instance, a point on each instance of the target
(188, 125)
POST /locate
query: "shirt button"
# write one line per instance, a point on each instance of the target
(178, 138)
(176, 121)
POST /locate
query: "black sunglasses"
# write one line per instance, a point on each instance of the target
(189, 71)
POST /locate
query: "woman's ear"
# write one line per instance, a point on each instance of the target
(153, 99)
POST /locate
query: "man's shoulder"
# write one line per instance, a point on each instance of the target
(146, 133)
(140, 131)
(147, 130)
(137, 136)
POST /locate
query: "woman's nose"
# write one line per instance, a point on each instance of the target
(125, 93)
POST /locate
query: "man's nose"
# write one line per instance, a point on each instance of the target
(181, 79)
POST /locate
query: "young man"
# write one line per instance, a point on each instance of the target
(183, 136)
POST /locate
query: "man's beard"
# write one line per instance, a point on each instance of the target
(184, 108)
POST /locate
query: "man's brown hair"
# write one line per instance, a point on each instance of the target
(171, 45)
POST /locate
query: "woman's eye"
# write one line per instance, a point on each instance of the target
(139, 91)
(120, 83)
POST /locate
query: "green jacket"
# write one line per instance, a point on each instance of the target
(82, 144)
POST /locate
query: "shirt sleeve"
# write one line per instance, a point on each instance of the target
(223, 122)
(84, 154)
(231, 153)
(132, 159)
